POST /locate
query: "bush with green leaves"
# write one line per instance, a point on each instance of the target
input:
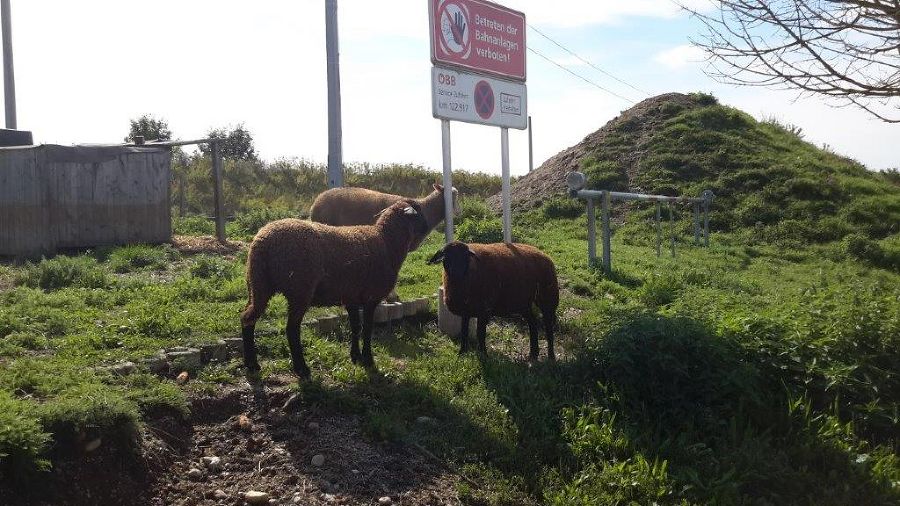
(23, 440)
(63, 272)
(140, 256)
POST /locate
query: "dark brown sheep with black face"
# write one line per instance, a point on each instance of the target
(321, 265)
(486, 280)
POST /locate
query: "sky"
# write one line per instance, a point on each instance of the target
(83, 69)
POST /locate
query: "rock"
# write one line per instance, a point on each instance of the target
(189, 359)
(214, 352)
(318, 460)
(292, 402)
(123, 368)
(214, 464)
(382, 313)
(92, 445)
(158, 364)
(410, 308)
(220, 494)
(313, 426)
(297, 499)
(195, 474)
(396, 311)
(243, 423)
(182, 378)
(235, 345)
(328, 497)
(384, 500)
(255, 497)
(328, 324)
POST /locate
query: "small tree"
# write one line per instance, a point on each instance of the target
(150, 128)
(237, 142)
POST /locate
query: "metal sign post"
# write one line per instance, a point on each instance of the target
(504, 163)
(9, 80)
(333, 70)
(448, 182)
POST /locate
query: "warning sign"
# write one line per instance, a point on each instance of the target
(478, 35)
(463, 96)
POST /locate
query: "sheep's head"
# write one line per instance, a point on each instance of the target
(455, 257)
(440, 189)
(407, 215)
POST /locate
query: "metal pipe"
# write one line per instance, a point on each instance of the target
(607, 260)
(706, 223)
(587, 194)
(448, 182)
(530, 147)
(507, 205)
(9, 79)
(672, 227)
(592, 232)
(658, 230)
(333, 71)
(217, 191)
(172, 144)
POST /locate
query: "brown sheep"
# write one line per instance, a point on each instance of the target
(487, 280)
(319, 265)
(357, 206)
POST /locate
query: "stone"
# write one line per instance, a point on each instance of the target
(220, 494)
(256, 497)
(384, 500)
(214, 352)
(92, 445)
(187, 360)
(449, 323)
(382, 313)
(424, 305)
(328, 324)
(157, 364)
(195, 474)
(311, 323)
(313, 426)
(297, 499)
(214, 464)
(318, 460)
(235, 345)
(410, 308)
(396, 311)
(123, 368)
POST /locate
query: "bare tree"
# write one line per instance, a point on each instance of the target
(845, 49)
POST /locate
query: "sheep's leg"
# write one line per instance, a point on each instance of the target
(368, 317)
(355, 325)
(259, 299)
(464, 335)
(295, 318)
(533, 334)
(482, 333)
(549, 327)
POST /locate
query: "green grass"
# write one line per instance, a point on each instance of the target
(731, 375)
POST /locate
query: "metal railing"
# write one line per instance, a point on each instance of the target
(577, 181)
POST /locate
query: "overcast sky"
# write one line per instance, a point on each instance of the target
(83, 69)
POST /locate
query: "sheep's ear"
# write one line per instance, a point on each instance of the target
(437, 257)
(438, 187)
(410, 211)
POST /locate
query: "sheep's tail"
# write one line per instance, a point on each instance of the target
(259, 288)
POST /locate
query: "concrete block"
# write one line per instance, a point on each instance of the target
(382, 313)
(189, 360)
(214, 352)
(449, 323)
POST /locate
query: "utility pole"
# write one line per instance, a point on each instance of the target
(335, 143)
(9, 80)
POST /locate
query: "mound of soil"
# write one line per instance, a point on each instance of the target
(193, 245)
(549, 180)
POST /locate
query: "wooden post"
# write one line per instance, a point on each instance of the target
(696, 223)
(658, 229)
(607, 260)
(592, 232)
(217, 190)
(672, 227)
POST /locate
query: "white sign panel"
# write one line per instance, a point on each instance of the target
(462, 96)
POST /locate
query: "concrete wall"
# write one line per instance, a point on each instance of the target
(54, 197)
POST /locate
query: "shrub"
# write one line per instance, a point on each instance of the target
(563, 208)
(474, 209)
(139, 256)
(206, 266)
(481, 231)
(248, 223)
(22, 439)
(193, 225)
(87, 411)
(62, 272)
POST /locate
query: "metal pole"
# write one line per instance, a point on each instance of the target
(448, 182)
(696, 224)
(504, 159)
(607, 260)
(658, 230)
(706, 224)
(530, 147)
(217, 191)
(9, 79)
(592, 232)
(672, 227)
(333, 70)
